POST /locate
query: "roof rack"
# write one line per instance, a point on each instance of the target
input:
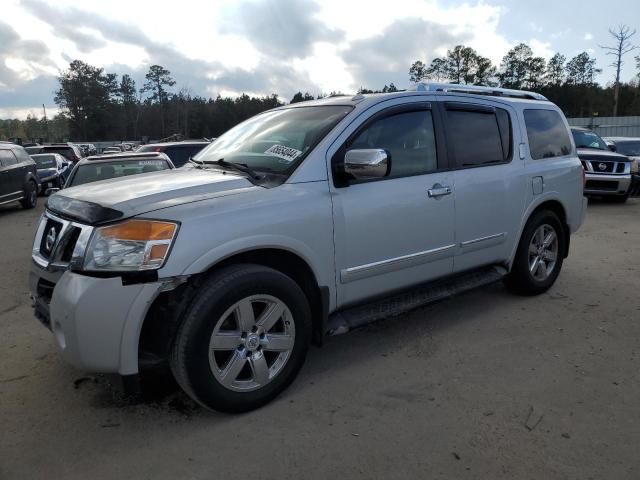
(476, 90)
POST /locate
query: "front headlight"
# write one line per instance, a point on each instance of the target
(130, 246)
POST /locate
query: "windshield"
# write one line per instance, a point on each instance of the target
(586, 139)
(105, 170)
(628, 148)
(275, 141)
(45, 161)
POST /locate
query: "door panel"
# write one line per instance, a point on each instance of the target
(11, 186)
(489, 179)
(392, 233)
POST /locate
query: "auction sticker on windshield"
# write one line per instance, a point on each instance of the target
(286, 153)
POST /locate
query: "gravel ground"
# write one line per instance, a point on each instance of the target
(486, 385)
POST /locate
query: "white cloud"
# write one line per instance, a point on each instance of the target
(588, 36)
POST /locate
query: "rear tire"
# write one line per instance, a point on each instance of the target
(243, 338)
(539, 256)
(30, 199)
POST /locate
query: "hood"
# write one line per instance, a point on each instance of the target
(120, 198)
(595, 154)
(46, 172)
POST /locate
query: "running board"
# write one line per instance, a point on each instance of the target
(396, 304)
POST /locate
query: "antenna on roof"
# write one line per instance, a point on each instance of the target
(476, 90)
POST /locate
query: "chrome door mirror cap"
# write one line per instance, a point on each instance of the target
(367, 163)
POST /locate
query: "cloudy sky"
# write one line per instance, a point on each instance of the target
(282, 46)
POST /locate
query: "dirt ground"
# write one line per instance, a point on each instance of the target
(486, 385)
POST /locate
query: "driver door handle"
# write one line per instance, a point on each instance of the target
(439, 191)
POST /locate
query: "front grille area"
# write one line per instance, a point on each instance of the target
(603, 167)
(45, 290)
(50, 237)
(620, 168)
(602, 185)
(71, 237)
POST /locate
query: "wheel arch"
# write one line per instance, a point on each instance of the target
(163, 316)
(553, 204)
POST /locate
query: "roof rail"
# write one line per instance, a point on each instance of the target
(477, 90)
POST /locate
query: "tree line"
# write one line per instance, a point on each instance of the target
(97, 105)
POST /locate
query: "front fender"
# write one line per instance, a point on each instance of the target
(258, 242)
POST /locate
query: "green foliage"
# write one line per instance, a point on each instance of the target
(301, 97)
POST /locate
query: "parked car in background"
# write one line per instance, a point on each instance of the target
(629, 146)
(18, 176)
(53, 170)
(32, 149)
(110, 150)
(68, 150)
(608, 174)
(306, 221)
(105, 167)
(87, 149)
(127, 146)
(178, 152)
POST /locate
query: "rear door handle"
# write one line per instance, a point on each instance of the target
(439, 191)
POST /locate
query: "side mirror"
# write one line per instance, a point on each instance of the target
(612, 147)
(51, 191)
(367, 163)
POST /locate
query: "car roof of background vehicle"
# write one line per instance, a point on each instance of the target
(124, 156)
(623, 139)
(583, 129)
(180, 143)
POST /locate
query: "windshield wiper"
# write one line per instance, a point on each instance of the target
(240, 167)
(196, 163)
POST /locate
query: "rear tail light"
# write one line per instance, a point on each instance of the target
(157, 149)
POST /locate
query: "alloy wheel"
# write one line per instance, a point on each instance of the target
(251, 343)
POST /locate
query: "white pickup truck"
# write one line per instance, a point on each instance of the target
(302, 222)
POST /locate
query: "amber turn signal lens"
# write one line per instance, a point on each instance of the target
(141, 230)
(158, 252)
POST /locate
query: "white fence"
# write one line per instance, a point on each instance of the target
(609, 126)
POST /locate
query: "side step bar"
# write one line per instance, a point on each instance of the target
(360, 315)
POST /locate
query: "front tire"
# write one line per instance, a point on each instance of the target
(539, 255)
(30, 199)
(243, 338)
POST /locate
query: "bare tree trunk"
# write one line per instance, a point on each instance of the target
(622, 46)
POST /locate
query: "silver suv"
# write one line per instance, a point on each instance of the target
(303, 222)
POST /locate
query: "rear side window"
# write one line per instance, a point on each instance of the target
(410, 139)
(7, 158)
(22, 155)
(478, 135)
(548, 136)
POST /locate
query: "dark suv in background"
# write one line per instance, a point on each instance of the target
(18, 176)
(608, 174)
(178, 152)
(71, 152)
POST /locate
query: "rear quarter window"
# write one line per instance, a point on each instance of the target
(548, 136)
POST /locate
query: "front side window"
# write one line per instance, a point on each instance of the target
(95, 172)
(275, 141)
(547, 134)
(478, 136)
(408, 137)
